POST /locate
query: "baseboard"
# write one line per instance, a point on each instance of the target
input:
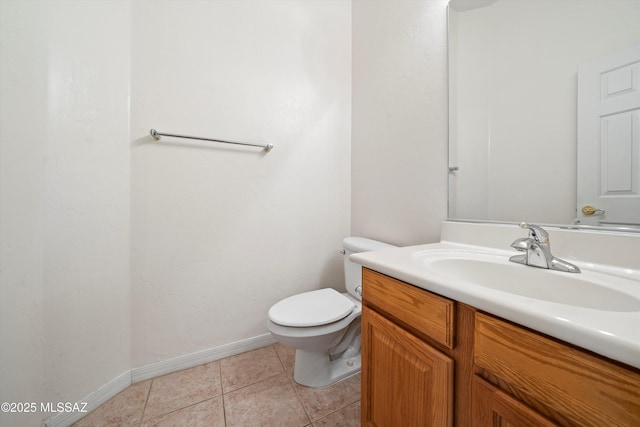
(157, 369)
(198, 358)
(93, 400)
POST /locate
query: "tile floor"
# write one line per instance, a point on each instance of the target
(250, 389)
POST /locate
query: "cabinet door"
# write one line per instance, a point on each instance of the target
(575, 386)
(495, 408)
(405, 381)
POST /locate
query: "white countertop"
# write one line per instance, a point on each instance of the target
(614, 334)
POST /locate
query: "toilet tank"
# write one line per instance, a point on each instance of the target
(353, 271)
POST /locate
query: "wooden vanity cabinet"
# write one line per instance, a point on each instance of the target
(431, 361)
(411, 364)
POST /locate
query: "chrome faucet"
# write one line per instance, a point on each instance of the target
(537, 251)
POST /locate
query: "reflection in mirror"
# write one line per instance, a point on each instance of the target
(513, 137)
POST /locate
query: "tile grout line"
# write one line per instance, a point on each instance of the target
(146, 400)
(185, 407)
(284, 371)
(304, 408)
(337, 410)
(224, 405)
(292, 385)
(252, 384)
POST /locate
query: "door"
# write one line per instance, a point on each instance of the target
(608, 172)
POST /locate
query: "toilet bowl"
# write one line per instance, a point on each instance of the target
(324, 325)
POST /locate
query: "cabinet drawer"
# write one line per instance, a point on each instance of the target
(426, 314)
(572, 384)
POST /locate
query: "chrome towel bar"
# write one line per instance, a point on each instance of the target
(156, 135)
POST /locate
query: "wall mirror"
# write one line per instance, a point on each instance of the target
(516, 135)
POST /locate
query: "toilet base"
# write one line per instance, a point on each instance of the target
(316, 369)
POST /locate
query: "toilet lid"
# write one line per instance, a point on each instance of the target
(311, 308)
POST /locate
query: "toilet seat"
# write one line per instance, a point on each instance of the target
(312, 308)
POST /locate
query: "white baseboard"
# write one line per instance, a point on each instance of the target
(198, 358)
(93, 400)
(157, 369)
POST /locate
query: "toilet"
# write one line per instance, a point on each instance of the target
(324, 325)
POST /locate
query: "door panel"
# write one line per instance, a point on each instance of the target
(609, 140)
(494, 408)
(406, 382)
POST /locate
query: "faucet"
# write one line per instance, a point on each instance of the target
(537, 251)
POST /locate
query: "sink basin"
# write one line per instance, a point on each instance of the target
(589, 289)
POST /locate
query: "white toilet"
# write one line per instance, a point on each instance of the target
(324, 325)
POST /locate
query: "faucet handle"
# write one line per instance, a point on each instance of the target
(539, 234)
(522, 244)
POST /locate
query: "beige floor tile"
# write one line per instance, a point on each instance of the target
(263, 394)
(180, 389)
(287, 356)
(345, 417)
(248, 368)
(209, 413)
(320, 402)
(271, 402)
(124, 409)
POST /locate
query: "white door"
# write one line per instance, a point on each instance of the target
(609, 140)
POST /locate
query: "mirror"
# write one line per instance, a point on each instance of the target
(513, 76)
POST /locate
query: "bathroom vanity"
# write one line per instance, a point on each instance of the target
(429, 360)
(441, 349)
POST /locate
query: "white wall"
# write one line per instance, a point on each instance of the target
(516, 68)
(22, 194)
(221, 233)
(64, 288)
(217, 234)
(399, 120)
